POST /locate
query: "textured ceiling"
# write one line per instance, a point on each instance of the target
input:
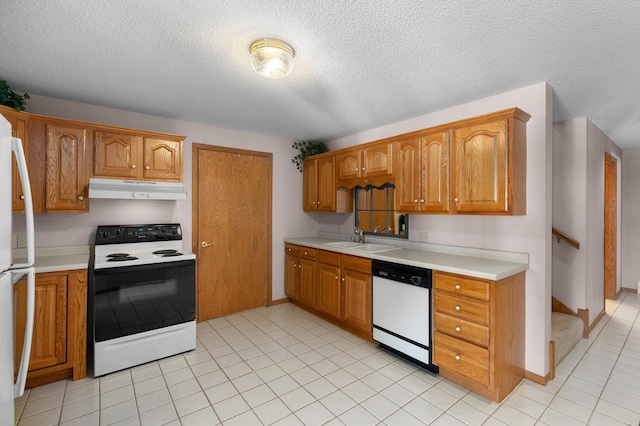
(359, 64)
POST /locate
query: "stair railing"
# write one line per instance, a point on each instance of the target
(561, 236)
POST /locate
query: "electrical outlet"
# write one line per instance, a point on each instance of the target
(22, 240)
(423, 236)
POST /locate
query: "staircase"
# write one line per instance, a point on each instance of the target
(567, 326)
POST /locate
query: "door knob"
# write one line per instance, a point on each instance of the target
(206, 244)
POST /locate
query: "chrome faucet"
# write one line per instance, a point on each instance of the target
(360, 233)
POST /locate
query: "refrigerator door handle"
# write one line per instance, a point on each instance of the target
(21, 161)
(21, 380)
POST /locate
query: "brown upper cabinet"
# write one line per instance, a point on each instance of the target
(422, 173)
(128, 155)
(58, 165)
(372, 160)
(472, 166)
(63, 154)
(489, 164)
(319, 186)
(18, 122)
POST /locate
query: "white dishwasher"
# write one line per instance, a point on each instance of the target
(402, 311)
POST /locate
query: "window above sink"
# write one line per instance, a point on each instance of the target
(375, 212)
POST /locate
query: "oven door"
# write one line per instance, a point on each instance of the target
(134, 299)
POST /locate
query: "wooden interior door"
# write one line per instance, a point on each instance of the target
(231, 229)
(610, 225)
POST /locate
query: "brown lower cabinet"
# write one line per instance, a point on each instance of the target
(58, 348)
(335, 286)
(479, 332)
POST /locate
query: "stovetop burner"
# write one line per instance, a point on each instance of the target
(166, 251)
(118, 255)
(121, 258)
(171, 254)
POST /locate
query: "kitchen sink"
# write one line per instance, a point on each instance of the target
(343, 244)
(375, 248)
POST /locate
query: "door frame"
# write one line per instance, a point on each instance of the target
(610, 276)
(195, 242)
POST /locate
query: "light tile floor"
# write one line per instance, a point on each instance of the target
(284, 366)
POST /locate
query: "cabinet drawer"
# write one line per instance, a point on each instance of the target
(464, 358)
(290, 250)
(361, 264)
(459, 328)
(329, 257)
(462, 308)
(462, 286)
(307, 253)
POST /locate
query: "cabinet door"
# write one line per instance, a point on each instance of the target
(435, 173)
(310, 185)
(377, 160)
(162, 160)
(291, 273)
(356, 309)
(49, 345)
(328, 286)
(18, 130)
(65, 174)
(307, 282)
(117, 155)
(407, 177)
(326, 184)
(480, 180)
(348, 164)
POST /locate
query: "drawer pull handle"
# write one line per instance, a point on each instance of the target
(300, 266)
(457, 307)
(457, 286)
(458, 328)
(457, 357)
(305, 253)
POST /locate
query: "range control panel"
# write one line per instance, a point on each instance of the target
(117, 234)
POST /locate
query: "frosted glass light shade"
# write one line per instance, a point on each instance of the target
(271, 58)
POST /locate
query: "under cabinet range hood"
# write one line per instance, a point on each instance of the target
(136, 190)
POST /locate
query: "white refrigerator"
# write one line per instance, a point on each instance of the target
(12, 383)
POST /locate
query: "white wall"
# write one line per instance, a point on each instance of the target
(62, 229)
(530, 233)
(578, 210)
(569, 201)
(630, 197)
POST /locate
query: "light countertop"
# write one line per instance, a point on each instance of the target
(51, 259)
(479, 263)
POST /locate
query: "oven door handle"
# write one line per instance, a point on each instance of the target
(148, 267)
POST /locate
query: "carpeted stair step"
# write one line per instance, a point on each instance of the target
(566, 332)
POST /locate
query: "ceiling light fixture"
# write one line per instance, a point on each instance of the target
(271, 58)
